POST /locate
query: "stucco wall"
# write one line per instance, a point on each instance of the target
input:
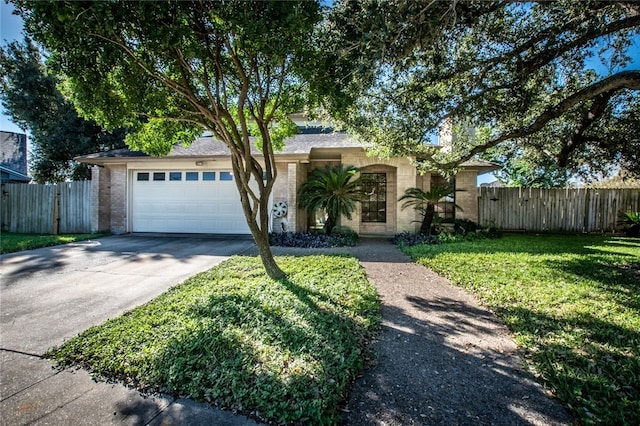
(401, 174)
(467, 197)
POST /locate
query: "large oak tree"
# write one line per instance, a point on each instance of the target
(171, 69)
(524, 75)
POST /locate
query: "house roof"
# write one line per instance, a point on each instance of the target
(7, 176)
(309, 138)
(207, 146)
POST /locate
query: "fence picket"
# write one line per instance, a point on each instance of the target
(31, 208)
(565, 210)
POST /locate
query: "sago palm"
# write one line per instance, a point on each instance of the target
(336, 190)
(425, 203)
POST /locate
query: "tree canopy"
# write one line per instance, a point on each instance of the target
(58, 134)
(168, 70)
(555, 78)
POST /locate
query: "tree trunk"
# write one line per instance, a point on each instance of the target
(259, 226)
(427, 220)
(270, 265)
(329, 224)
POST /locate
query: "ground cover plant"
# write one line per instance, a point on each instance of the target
(573, 305)
(283, 351)
(340, 237)
(11, 242)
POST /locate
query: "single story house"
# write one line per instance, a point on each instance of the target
(191, 190)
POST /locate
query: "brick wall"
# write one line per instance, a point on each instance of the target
(118, 195)
(100, 199)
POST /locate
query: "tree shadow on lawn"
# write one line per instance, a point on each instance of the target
(533, 245)
(594, 365)
(289, 371)
(619, 281)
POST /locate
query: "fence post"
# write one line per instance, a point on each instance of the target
(587, 210)
(56, 210)
(4, 209)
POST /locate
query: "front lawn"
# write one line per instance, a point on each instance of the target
(10, 242)
(284, 351)
(573, 305)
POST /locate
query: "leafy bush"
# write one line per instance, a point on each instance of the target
(344, 236)
(284, 351)
(465, 226)
(631, 222)
(464, 230)
(406, 239)
(313, 240)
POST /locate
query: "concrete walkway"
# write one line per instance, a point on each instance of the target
(49, 295)
(441, 359)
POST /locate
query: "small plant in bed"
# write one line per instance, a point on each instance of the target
(340, 236)
(280, 351)
(463, 230)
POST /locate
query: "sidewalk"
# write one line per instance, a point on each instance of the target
(36, 394)
(441, 359)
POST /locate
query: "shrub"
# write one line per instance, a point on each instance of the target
(406, 239)
(631, 222)
(464, 230)
(464, 226)
(344, 236)
(312, 240)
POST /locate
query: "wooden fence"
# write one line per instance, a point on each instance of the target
(565, 210)
(64, 208)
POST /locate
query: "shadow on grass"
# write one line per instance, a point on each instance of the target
(287, 354)
(593, 364)
(619, 280)
(590, 351)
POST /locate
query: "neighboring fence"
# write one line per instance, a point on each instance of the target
(569, 210)
(64, 208)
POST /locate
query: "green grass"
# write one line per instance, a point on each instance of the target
(285, 351)
(10, 242)
(573, 305)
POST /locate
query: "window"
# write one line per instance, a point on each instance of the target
(143, 176)
(226, 176)
(446, 207)
(208, 175)
(191, 176)
(175, 175)
(374, 205)
(158, 176)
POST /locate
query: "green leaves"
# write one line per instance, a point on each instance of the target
(336, 190)
(529, 71)
(157, 136)
(30, 94)
(285, 351)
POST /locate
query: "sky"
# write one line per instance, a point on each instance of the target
(10, 29)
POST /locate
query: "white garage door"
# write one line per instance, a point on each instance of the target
(187, 201)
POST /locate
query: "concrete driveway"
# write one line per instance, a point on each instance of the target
(51, 294)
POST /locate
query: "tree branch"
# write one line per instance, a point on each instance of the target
(622, 80)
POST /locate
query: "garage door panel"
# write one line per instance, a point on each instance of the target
(187, 206)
